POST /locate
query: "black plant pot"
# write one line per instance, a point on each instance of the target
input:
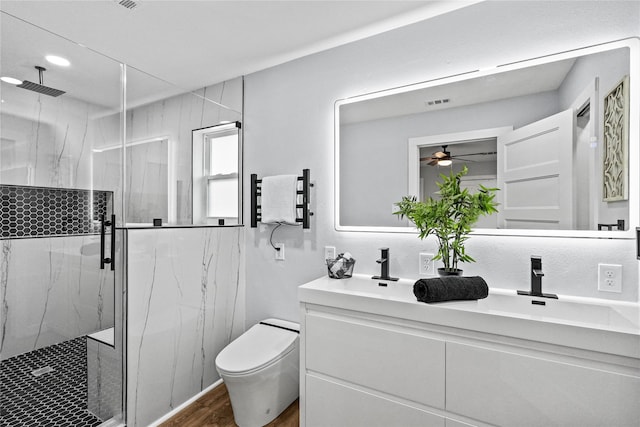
(449, 272)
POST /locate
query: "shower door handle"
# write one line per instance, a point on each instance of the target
(112, 224)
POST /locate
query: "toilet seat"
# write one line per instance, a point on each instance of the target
(261, 346)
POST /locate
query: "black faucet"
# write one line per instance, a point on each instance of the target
(384, 266)
(536, 280)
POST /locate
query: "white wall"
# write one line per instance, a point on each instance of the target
(289, 126)
(610, 67)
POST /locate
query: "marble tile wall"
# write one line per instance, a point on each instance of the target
(105, 354)
(59, 142)
(52, 290)
(147, 182)
(48, 142)
(104, 379)
(185, 299)
(175, 118)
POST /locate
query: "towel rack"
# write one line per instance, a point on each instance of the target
(304, 206)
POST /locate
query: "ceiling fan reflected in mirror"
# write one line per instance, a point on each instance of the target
(444, 157)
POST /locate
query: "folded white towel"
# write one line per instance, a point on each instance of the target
(278, 199)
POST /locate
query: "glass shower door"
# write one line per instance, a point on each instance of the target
(60, 313)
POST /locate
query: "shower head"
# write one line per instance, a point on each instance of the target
(40, 88)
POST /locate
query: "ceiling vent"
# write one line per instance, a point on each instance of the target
(129, 4)
(433, 102)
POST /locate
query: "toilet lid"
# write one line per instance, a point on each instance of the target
(261, 345)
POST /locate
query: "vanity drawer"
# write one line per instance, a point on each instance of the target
(395, 360)
(332, 404)
(508, 389)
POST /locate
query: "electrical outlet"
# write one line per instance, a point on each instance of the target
(279, 253)
(329, 252)
(610, 278)
(426, 266)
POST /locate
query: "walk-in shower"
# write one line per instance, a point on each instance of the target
(106, 317)
(61, 341)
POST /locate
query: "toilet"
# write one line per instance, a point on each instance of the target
(261, 371)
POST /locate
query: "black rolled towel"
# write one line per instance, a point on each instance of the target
(450, 288)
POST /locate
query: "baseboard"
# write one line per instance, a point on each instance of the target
(185, 404)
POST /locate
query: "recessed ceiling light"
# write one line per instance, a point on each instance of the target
(11, 80)
(58, 60)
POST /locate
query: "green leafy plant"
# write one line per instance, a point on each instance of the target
(450, 216)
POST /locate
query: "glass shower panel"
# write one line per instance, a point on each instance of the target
(147, 182)
(54, 295)
(159, 111)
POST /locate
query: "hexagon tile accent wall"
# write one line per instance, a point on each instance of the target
(41, 211)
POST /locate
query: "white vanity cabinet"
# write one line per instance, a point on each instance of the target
(520, 387)
(362, 373)
(362, 368)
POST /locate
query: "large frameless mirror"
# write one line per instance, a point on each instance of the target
(552, 133)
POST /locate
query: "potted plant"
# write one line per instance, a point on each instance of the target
(449, 217)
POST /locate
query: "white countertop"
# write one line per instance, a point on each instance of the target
(585, 323)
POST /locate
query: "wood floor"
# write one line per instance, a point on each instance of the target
(214, 410)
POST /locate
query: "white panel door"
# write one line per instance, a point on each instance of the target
(535, 165)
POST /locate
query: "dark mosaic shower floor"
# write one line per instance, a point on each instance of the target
(57, 398)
